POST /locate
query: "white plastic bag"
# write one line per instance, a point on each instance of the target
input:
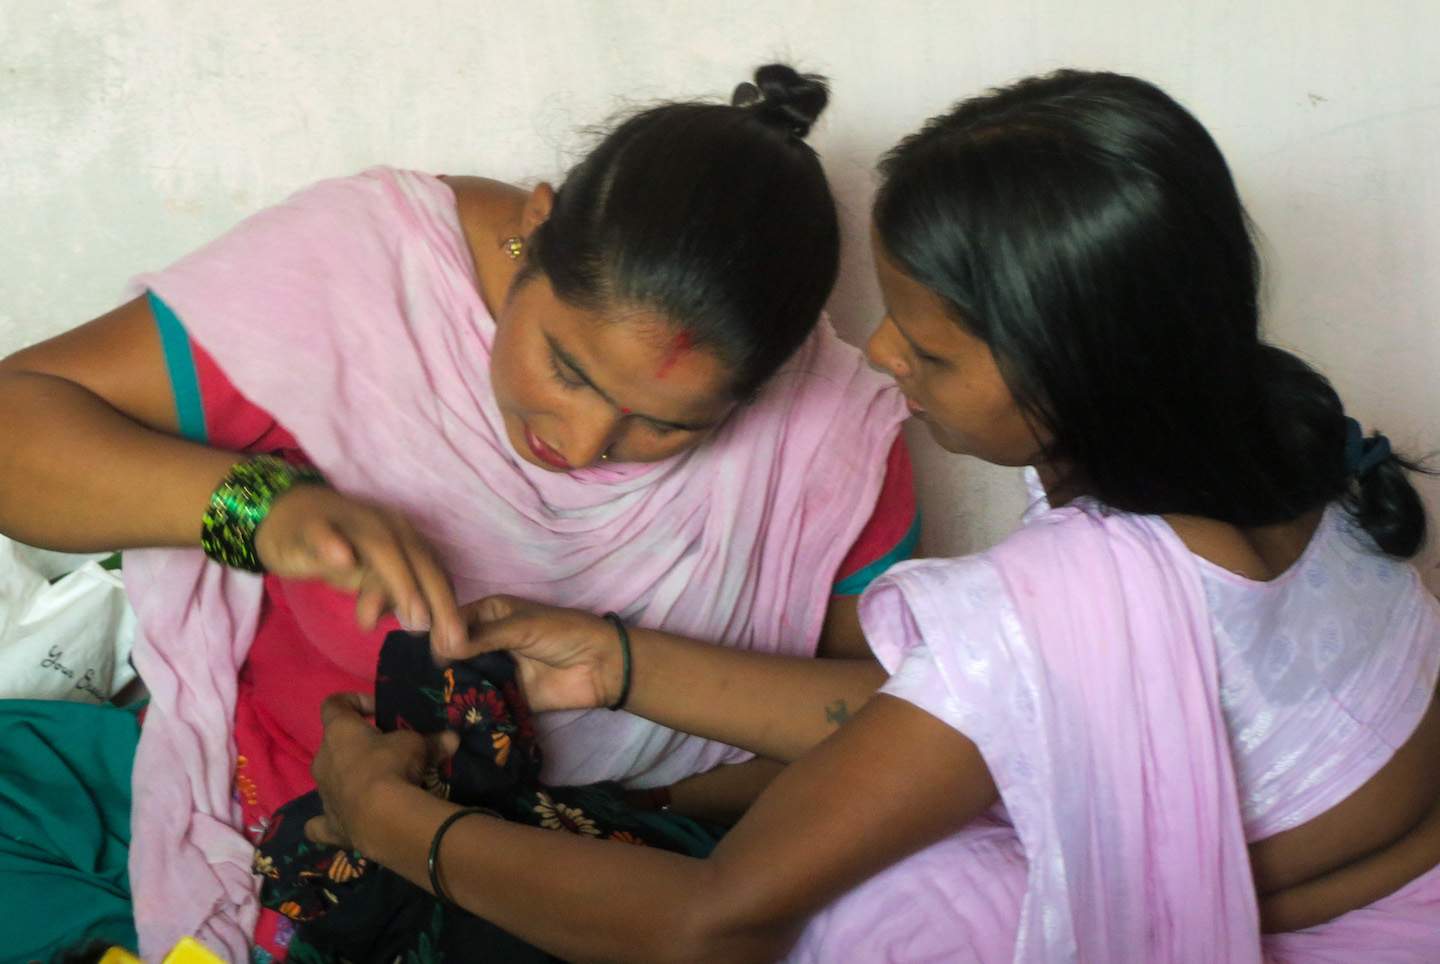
(67, 640)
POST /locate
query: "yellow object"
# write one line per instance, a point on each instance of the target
(188, 951)
(119, 955)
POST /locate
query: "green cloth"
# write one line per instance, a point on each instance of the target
(64, 826)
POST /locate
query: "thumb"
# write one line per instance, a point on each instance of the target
(442, 746)
(318, 830)
(338, 706)
(490, 609)
(490, 624)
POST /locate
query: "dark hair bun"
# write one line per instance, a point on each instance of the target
(784, 97)
(681, 209)
(1387, 506)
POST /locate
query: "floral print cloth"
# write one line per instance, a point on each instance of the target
(348, 908)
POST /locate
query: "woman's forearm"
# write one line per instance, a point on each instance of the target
(775, 706)
(79, 476)
(724, 793)
(578, 898)
(807, 840)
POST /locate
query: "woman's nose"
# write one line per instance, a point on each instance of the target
(883, 353)
(591, 434)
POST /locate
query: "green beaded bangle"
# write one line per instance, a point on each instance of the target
(241, 502)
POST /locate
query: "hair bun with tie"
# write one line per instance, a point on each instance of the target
(784, 97)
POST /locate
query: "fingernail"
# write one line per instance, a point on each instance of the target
(413, 622)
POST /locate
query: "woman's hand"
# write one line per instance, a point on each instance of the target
(314, 532)
(776, 706)
(567, 659)
(357, 761)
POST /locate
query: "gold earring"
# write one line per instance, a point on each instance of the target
(605, 456)
(514, 246)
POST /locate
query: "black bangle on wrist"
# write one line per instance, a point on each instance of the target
(432, 863)
(624, 634)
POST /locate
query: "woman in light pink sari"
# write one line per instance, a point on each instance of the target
(619, 393)
(1184, 714)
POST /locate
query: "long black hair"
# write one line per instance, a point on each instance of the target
(1086, 227)
(718, 216)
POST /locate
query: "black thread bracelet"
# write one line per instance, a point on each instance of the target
(432, 863)
(619, 625)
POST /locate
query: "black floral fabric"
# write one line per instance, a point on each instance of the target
(349, 909)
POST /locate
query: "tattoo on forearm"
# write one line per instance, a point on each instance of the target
(837, 712)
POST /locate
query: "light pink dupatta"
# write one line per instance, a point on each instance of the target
(350, 312)
(1078, 655)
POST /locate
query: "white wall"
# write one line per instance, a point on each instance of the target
(134, 130)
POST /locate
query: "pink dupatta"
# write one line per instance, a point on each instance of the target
(1078, 656)
(351, 313)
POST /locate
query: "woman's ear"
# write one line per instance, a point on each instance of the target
(537, 207)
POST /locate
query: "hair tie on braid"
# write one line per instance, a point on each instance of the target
(746, 94)
(1362, 454)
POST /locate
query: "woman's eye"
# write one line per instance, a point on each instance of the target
(563, 375)
(661, 430)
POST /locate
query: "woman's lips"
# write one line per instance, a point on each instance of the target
(544, 452)
(914, 408)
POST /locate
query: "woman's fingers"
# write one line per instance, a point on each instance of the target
(320, 830)
(330, 550)
(492, 623)
(383, 555)
(298, 537)
(402, 572)
(490, 609)
(371, 602)
(341, 706)
(368, 550)
(447, 630)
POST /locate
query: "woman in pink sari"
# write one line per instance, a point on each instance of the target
(1185, 713)
(618, 394)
